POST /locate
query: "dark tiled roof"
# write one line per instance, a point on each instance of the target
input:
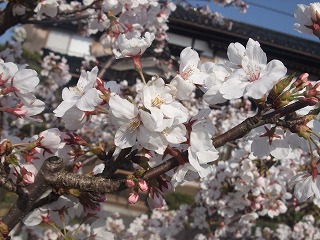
(294, 51)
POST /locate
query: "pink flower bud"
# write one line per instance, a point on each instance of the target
(143, 185)
(129, 183)
(28, 178)
(133, 198)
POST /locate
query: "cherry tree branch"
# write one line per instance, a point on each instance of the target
(235, 133)
(85, 183)
(32, 193)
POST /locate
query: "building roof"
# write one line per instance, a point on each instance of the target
(296, 53)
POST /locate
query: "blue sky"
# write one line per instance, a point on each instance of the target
(266, 18)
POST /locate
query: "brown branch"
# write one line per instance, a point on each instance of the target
(235, 133)
(55, 20)
(7, 184)
(85, 183)
(8, 20)
(32, 193)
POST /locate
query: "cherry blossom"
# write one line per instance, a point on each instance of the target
(308, 18)
(159, 97)
(269, 140)
(201, 152)
(305, 186)
(255, 77)
(133, 123)
(84, 96)
(131, 47)
(189, 74)
(47, 8)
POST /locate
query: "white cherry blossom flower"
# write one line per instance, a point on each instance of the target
(84, 96)
(159, 97)
(134, 124)
(255, 77)
(189, 73)
(308, 18)
(217, 74)
(131, 47)
(269, 140)
(21, 81)
(47, 8)
(51, 140)
(201, 151)
(305, 186)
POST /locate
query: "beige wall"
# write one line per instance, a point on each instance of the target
(36, 38)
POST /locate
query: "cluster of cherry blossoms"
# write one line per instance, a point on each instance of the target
(254, 155)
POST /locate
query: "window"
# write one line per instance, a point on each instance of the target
(79, 46)
(58, 41)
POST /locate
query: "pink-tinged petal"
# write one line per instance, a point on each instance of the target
(176, 111)
(236, 52)
(122, 108)
(256, 54)
(151, 140)
(176, 134)
(133, 198)
(213, 96)
(89, 100)
(63, 107)
(74, 119)
(207, 156)
(25, 80)
(125, 137)
(235, 85)
(143, 185)
(184, 87)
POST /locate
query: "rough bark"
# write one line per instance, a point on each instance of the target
(32, 192)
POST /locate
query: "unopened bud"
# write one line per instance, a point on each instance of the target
(105, 92)
(278, 88)
(301, 82)
(143, 185)
(311, 101)
(283, 100)
(133, 197)
(129, 183)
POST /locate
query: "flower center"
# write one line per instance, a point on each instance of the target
(188, 72)
(134, 124)
(253, 72)
(157, 101)
(165, 132)
(77, 90)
